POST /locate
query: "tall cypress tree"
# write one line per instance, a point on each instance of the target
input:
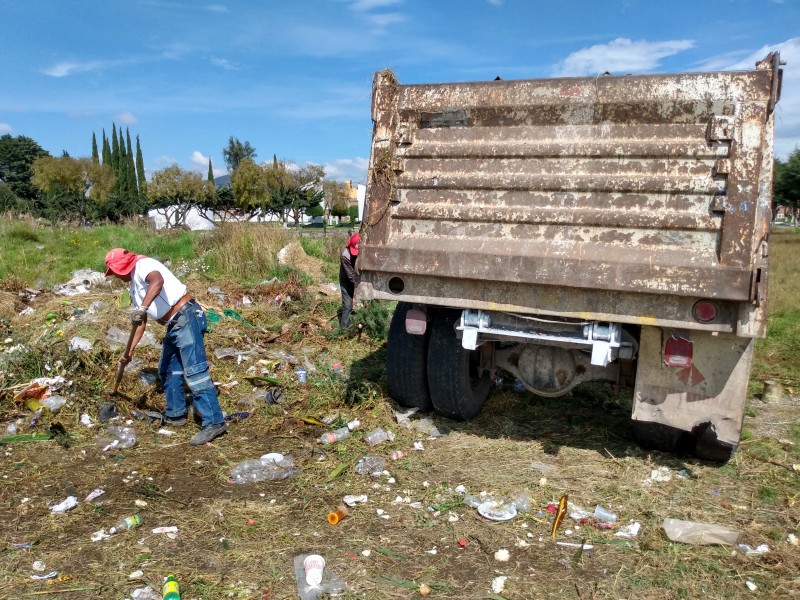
(140, 178)
(122, 169)
(106, 149)
(130, 167)
(95, 154)
(210, 172)
(114, 149)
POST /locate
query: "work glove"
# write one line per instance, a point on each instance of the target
(138, 315)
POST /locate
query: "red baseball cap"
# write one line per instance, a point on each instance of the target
(120, 262)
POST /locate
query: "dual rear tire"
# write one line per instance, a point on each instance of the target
(434, 371)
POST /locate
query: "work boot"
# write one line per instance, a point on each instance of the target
(175, 421)
(208, 433)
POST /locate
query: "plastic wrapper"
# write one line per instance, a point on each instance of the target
(370, 465)
(690, 532)
(117, 438)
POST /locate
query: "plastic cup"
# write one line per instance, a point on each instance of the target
(301, 375)
(604, 515)
(337, 515)
(313, 565)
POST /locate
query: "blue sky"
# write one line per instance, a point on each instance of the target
(294, 78)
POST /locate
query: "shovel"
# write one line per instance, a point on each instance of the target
(121, 369)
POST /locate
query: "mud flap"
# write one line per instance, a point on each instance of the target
(703, 402)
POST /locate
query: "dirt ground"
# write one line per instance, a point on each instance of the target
(240, 541)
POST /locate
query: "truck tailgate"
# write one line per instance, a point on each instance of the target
(654, 184)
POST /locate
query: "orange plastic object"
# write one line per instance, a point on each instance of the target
(337, 515)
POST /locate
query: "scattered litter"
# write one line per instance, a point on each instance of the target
(315, 580)
(690, 532)
(270, 466)
(366, 552)
(87, 420)
(117, 339)
(497, 510)
(99, 535)
(750, 551)
(605, 515)
(68, 503)
(419, 447)
(38, 566)
(167, 529)
(370, 465)
(136, 574)
(353, 500)
(50, 575)
(79, 344)
(94, 494)
(82, 281)
(145, 593)
(751, 586)
(659, 475)
(629, 531)
(792, 539)
(53, 403)
(378, 436)
(337, 515)
(117, 438)
(582, 546)
(108, 411)
(140, 503)
(499, 584)
(502, 555)
(163, 431)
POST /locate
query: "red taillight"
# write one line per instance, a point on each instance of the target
(704, 311)
(678, 352)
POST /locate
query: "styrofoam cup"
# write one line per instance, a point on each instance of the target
(314, 564)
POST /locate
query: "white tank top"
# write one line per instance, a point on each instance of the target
(172, 291)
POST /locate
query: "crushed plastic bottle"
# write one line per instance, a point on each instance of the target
(270, 466)
(521, 502)
(378, 436)
(118, 438)
(53, 403)
(330, 585)
(370, 465)
(331, 437)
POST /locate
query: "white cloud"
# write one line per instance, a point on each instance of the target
(787, 112)
(200, 160)
(65, 68)
(222, 63)
(495, 2)
(367, 5)
(6, 128)
(127, 118)
(619, 56)
(383, 20)
(217, 8)
(354, 169)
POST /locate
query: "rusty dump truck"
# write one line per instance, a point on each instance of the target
(610, 228)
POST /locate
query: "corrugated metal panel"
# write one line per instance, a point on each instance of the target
(638, 184)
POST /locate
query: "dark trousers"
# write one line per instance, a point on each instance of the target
(347, 307)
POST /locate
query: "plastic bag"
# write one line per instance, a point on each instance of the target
(117, 438)
(690, 532)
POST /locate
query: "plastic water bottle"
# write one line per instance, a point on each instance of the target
(171, 590)
(370, 465)
(126, 523)
(331, 437)
(248, 471)
(378, 436)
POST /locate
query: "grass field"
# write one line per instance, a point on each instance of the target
(239, 541)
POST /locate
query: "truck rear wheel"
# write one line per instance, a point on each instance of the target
(457, 391)
(406, 363)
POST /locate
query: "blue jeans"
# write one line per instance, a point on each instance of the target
(183, 358)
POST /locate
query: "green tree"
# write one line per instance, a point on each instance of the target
(250, 186)
(236, 152)
(75, 182)
(140, 176)
(305, 189)
(8, 200)
(336, 200)
(114, 148)
(95, 153)
(106, 150)
(173, 191)
(786, 185)
(210, 171)
(130, 167)
(17, 155)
